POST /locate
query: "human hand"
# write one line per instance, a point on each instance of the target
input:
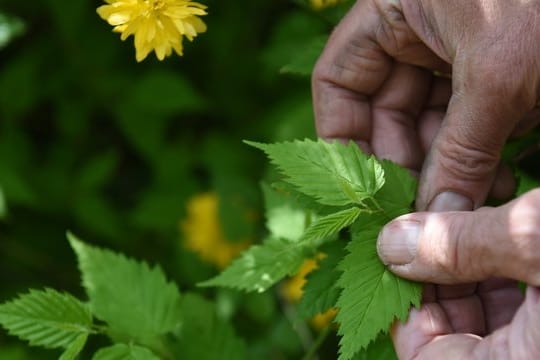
(491, 244)
(371, 85)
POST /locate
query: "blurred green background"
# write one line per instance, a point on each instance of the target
(116, 152)
(112, 150)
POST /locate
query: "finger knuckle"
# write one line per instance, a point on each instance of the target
(465, 155)
(447, 247)
(525, 233)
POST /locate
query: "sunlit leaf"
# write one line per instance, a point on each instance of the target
(261, 266)
(333, 173)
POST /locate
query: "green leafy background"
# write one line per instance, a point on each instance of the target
(112, 150)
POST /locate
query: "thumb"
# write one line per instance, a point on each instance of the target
(466, 246)
(465, 154)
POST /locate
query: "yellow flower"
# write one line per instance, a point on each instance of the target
(321, 4)
(203, 233)
(292, 290)
(158, 25)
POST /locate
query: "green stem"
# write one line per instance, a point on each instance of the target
(311, 354)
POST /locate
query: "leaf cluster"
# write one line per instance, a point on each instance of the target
(144, 315)
(335, 200)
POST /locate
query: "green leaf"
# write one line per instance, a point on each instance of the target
(321, 292)
(46, 318)
(74, 348)
(284, 219)
(124, 352)
(204, 336)
(397, 195)
(135, 299)
(305, 57)
(333, 173)
(380, 349)
(261, 266)
(372, 297)
(329, 225)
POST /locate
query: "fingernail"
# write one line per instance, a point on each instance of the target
(397, 242)
(450, 201)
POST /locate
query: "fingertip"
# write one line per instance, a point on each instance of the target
(422, 326)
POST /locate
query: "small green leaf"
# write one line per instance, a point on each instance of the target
(305, 57)
(74, 348)
(204, 336)
(372, 297)
(124, 352)
(332, 173)
(329, 225)
(46, 318)
(134, 299)
(284, 219)
(261, 266)
(321, 292)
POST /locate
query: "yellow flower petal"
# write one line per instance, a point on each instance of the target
(202, 231)
(157, 25)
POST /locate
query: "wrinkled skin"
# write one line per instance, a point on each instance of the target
(376, 83)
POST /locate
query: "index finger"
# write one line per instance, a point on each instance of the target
(351, 68)
(358, 61)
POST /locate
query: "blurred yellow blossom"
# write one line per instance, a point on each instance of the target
(158, 25)
(292, 291)
(203, 233)
(321, 4)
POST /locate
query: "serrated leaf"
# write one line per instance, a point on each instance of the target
(284, 219)
(380, 349)
(46, 318)
(321, 292)
(329, 225)
(204, 336)
(398, 192)
(372, 297)
(304, 201)
(304, 59)
(124, 352)
(74, 348)
(261, 266)
(332, 173)
(136, 300)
